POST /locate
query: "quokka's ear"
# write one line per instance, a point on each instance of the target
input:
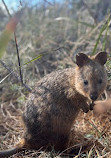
(81, 59)
(101, 58)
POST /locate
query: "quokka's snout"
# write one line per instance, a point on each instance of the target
(93, 96)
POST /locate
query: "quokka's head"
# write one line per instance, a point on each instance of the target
(91, 77)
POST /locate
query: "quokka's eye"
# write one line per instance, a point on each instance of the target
(100, 81)
(85, 82)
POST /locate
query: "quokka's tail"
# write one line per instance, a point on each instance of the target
(19, 147)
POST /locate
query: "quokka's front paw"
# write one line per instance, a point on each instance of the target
(92, 106)
(86, 109)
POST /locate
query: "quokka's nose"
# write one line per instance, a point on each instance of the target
(93, 96)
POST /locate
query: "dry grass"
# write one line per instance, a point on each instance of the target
(58, 32)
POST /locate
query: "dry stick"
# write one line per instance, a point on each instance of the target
(48, 2)
(6, 8)
(21, 78)
(14, 74)
(89, 10)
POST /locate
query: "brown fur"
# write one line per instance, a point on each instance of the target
(57, 99)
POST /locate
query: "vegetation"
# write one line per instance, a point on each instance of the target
(49, 35)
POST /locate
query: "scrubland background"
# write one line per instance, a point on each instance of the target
(57, 31)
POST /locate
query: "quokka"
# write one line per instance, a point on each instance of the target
(56, 101)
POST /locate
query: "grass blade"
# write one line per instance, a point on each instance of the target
(38, 57)
(105, 27)
(86, 24)
(105, 38)
(97, 41)
(5, 77)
